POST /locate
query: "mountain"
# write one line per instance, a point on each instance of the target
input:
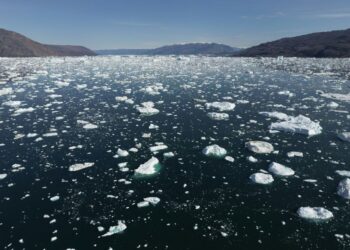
(214, 49)
(322, 44)
(13, 44)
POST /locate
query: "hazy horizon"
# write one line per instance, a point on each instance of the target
(146, 25)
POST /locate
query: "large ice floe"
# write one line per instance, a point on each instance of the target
(314, 213)
(259, 147)
(344, 188)
(281, 170)
(150, 167)
(298, 124)
(261, 178)
(221, 106)
(119, 228)
(214, 151)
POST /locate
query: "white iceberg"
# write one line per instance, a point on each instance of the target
(299, 124)
(214, 151)
(261, 178)
(152, 200)
(80, 166)
(158, 148)
(279, 169)
(147, 110)
(149, 167)
(3, 176)
(314, 213)
(259, 147)
(6, 91)
(344, 188)
(274, 114)
(115, 229)
(90, 126)
(295, 154)
(122, 153)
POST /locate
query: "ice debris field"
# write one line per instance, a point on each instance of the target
(174, 153)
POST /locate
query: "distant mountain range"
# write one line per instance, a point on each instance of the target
(13, 44)
(322, 44)
(212, 49)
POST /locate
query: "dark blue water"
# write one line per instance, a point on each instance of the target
(206, 203)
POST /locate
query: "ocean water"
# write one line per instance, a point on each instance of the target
(57, 112)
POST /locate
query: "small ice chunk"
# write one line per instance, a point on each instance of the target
(344, 188)
(149, 167)
(295, 154)
(214, 151)
(279, 169)
(158, 148)
(314, 213)
(152, 200)
(274, 114)
(3, 176)
(90, 126)
(115, 229)
(6, 91)
(147, 110)
(54, 198)
(80, 166)
(168, 154)
(261, 178)
(143, 204)
(252, 159)
(218, 116)
(259, 147)
(345, 173)
(345, 136)
(229, 158)
(122, 153)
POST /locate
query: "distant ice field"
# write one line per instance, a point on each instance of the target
(133, 152)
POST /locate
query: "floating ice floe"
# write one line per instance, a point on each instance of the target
(333, 105)
(54, 198)
(148, 168)
(152, 200)
(168, 154)
(339, 97)
(221, 106)
(299, 124)
(218, 116)
(279, 169)
(3, 176)
(314, 213)
(6, 91)
(121, 98)
(344, 188)
(259, 147)
(80, 166)
(23, 110)
(252, 159)
(345, 173)
(115, 229)
(147, 108)
(90, 126)
(12, 104)
(261, 178)
(122, 153)
(229, 158)
(345, 136)
(295, 154)
(158, 148)
(214, 151)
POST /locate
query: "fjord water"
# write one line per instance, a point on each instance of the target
(205, 203)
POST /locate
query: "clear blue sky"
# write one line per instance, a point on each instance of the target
(101, 24)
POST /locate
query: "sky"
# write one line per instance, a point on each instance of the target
(108, 24)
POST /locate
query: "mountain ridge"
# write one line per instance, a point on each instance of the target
(13, 44)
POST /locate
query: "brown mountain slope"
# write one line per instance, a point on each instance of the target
(13, 44)
(322, 44)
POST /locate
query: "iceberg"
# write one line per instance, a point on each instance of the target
(259, 147)
(152, 200)
(3, 176)
(295, 154)
(147, 110)
(149, 167)
(158, 148)
(344, 188)
(6, 91)
(90, 126)
(115, 229)
(345, 136)
(277, 115)
(299, 124)
(80, 166)
(221, 106)
(279, 169)
(345, 173)
(261, 178)
(122, 153)
(214, 151)
(314, 213)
